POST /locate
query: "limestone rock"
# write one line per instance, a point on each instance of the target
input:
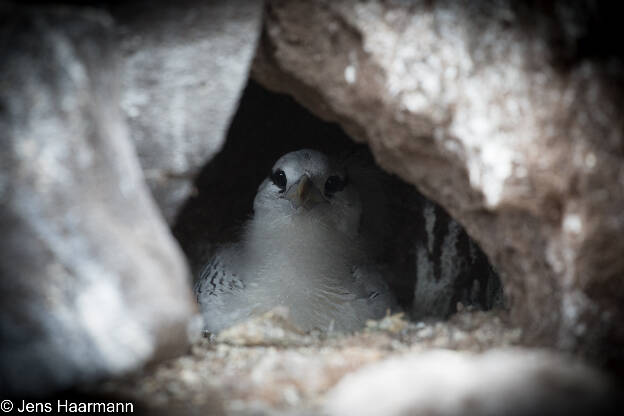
(184, 68)
(91, 282)
(507, 115)
(500, 381)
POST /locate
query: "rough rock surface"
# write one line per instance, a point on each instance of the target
(267, 367)
(499, 381)
(91, 282)
(507, 115)
(184, 68)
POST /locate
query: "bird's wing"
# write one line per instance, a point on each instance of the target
(218, 277)
(218, 288)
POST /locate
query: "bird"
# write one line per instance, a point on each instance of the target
(301, 249)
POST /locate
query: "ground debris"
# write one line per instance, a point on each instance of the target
(266, 365)
(273, 328)
(392, 323)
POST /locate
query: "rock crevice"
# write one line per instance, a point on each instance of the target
(480, 106)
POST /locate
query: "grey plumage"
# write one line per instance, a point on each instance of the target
(302, 249)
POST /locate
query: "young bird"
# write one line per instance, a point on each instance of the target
(302, 250)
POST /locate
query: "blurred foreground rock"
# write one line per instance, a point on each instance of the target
(92, 283)
(514, 382)
(507, 115)
(184, 69)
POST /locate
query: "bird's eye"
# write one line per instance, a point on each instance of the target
(279, 179)
(334, 184)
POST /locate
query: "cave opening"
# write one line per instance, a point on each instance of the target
(436, 267)
(508, 116)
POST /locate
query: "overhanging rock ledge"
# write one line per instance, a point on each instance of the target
(495, 111)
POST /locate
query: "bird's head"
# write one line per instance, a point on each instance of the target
(308, 183)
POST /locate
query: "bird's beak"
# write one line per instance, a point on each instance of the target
(304, 193)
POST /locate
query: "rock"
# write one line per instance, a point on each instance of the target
(184, 68)
(506, 115)
(442, 382)
(92, 283)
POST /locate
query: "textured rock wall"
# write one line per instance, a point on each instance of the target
(507, 115)
(91, 282)
(184, 68)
